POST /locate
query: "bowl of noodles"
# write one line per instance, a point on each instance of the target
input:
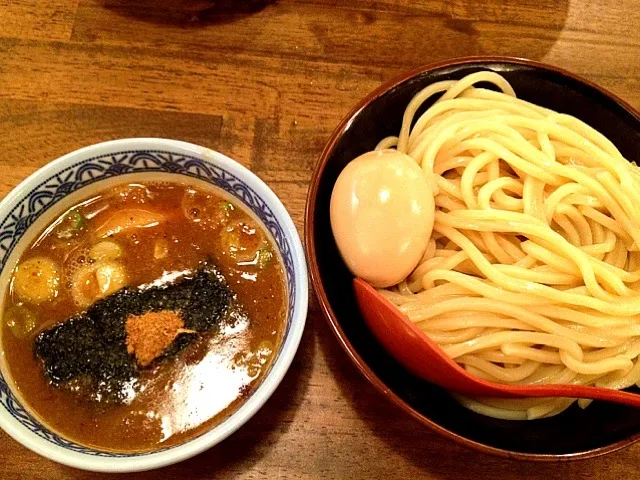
(530, 274)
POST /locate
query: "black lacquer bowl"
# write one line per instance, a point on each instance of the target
(574, 434)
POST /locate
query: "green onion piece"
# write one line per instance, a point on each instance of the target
(20, 321)
(265, 256)
(77, 219)
(72, 223)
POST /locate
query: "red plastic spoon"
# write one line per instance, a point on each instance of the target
(424, 358)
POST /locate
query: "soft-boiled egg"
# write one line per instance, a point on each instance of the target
(382, 212)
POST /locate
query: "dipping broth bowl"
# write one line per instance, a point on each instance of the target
(28, 207)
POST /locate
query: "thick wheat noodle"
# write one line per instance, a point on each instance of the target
(510, 375)
(536, 354)
(532, 274)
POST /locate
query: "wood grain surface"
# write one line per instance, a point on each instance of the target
(265, 82)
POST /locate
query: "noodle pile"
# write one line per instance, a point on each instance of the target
(532, 274)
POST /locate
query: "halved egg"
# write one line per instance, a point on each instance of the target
(382, 211)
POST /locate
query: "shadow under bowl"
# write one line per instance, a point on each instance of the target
(575, 434)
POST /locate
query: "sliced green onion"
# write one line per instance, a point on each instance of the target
(105, 250)
(20, 321)
(71, 224)
(265, 256)
(77, 219)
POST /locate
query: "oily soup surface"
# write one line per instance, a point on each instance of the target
(147, 233)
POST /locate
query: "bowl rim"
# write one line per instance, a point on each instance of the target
(290, 342)
(325, 307)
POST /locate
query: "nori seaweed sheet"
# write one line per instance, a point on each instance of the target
(91, 347)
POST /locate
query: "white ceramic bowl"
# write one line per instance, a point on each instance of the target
(31, 205)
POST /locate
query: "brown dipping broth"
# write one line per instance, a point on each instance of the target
(177, 398)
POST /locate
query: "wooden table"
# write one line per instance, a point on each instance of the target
(266, 84)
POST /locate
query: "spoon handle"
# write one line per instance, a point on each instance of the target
(574, 391)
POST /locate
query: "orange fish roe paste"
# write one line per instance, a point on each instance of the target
(149, 335)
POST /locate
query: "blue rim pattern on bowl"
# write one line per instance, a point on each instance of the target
(92, 170)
